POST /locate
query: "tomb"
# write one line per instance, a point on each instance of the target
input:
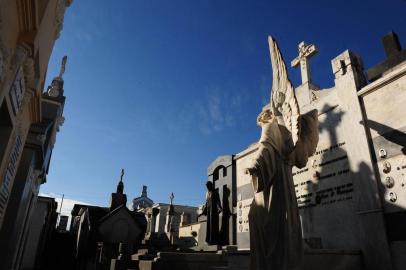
(352, 192)
(385, 123)
(100, 231)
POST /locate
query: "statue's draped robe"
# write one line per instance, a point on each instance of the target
(211, 209)
(275, 229)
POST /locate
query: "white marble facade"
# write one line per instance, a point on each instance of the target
(340, 190)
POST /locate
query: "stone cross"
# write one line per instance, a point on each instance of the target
(122, 174)
(172, 197)
(394, 53)
(391, 44)
(305, 52)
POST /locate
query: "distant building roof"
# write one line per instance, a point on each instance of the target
(139, 218)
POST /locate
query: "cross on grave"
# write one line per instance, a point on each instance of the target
(171, 210)
(305, 52)
(394, 56)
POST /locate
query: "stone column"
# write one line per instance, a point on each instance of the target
(349, 78)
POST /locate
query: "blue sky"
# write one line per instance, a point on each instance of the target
(161, 88)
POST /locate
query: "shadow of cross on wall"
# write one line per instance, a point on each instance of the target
(328, 182)
(331, 154)
(221, 174)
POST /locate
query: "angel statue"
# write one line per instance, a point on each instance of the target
(287, 140)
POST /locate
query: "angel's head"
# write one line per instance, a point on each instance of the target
(210, 186)
(264, 117)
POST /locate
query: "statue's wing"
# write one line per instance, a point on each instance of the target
(283, 99)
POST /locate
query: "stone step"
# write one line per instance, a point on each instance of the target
(319, 259)
(314, 259)
(183, 261)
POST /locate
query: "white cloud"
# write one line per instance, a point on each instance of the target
(218, 108)
(217, 111)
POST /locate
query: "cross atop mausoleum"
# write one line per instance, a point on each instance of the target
(305, 52)
(395, 55)
(171, 210)
(172, 197)
(122, 175)
(120, 186)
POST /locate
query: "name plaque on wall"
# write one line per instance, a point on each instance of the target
(10, 173)
(243, 208)
(325, 180)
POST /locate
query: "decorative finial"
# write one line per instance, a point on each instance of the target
(63, 64)
(120, 186)
(56, 87)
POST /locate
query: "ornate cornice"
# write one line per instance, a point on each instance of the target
(29, 72)
(20, 55)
